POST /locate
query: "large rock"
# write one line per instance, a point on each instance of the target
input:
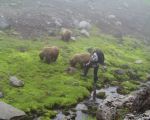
(85, 33)
(8, 112)
(81, 107)
(84, 25)
(14, 81)
(142, 100)
(106, 113)
(4, 23)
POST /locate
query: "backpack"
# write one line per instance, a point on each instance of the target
(97, 56)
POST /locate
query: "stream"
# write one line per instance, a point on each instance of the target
(84, 110)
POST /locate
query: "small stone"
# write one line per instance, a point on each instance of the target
(14, 81)
(119, 72)
(138, 62)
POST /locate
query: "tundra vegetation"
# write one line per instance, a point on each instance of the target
(48, 86)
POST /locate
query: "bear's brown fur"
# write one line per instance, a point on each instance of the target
(49, 54)
(66, 34)
(81, 59)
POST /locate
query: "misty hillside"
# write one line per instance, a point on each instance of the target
(74, 60)
(117, 17)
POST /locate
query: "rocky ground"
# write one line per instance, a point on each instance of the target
(117, 17)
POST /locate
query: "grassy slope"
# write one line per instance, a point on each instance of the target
(48, 85)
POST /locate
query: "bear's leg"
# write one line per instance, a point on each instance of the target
(48, 59)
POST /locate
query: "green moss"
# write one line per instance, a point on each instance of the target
(101, 95)
(48, 86)
(129, 85)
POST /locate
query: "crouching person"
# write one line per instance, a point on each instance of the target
(96, 58)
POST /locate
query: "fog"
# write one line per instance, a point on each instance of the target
(117, 17)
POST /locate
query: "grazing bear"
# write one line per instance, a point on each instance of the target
(81, 59)
(49, 54)
(66, 34)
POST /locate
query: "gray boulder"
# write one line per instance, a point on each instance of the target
(106, 113)
(8, 112)
(14, 81)
(84, 25)
(81, 107)
(85, 33)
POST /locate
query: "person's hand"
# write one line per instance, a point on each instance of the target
(87, 63)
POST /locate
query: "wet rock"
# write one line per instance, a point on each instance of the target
(141, 102)
(1, 95)
(81, 107)
(106, 113)
(143, 116)
(101, 95)
(119, 72)
(138, 62)
(129, 117)
(60, 116)
(4, 24)
(85, 33)
(8, 112)
(84, 25)
(14, 81)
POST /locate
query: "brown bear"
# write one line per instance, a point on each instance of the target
(81, 59)
(49, 54)
(66, 34)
